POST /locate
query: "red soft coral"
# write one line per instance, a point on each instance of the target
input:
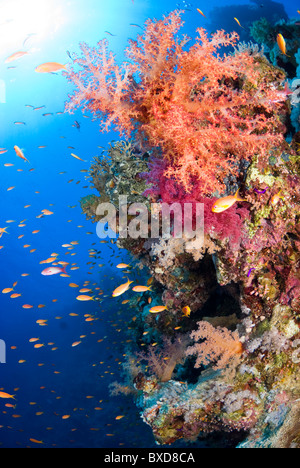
(205, 112)
(226, 225)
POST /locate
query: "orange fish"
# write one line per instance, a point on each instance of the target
(157, 309)
(6, 395)
(186, 311)
(35, 441)
(141, 288)
(85, 298)
(50, 67)
(276, 197)
(49, 260)
(123, 265)
(281, 44)
(47, 212)
(121, 289)
(20, 153)
(15, 56)
(238, 23)
(77, 157)
(3, 231)
(224, 203)
(201, 12)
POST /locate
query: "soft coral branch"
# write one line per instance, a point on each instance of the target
(162, 362)
(214, 345)
(202, 110)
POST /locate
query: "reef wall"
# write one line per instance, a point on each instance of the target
(215, 335)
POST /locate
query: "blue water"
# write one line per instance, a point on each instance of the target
(57, 382)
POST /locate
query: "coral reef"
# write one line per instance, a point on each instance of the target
(265, 32)
(219, 345)
(205, 113)
(222, 358)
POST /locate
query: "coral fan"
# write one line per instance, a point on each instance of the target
(205, 112)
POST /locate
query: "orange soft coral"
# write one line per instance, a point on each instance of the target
(217, 345)
(204, 111)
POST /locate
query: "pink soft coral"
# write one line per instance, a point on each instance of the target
(226, 225)
(163, 362)
(205, 112)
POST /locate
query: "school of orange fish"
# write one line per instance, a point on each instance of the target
(88, 291)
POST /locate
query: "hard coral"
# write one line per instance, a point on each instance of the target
(204, 111)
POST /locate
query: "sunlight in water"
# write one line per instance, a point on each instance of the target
(23, 21)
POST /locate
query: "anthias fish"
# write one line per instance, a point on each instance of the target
(281, 43)
(121, 289)
(49, 67)
(20, 153)
(53, 271)
(157, 309)
(15, 56)
(224, 203)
